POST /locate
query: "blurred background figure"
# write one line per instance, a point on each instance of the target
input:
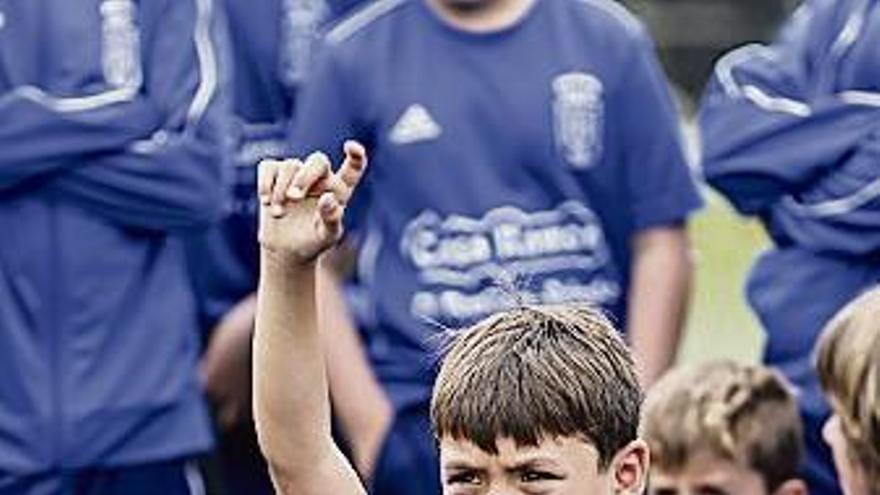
(272, 49)
(111, 130)
(848, 363)
(723, 428)
(790, 136)
(514, 142)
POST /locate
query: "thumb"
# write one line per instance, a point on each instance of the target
(330, 213)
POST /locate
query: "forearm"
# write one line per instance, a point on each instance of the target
(226, 364)
(291, 407)
(360, 404)
(176, 185)
(290, 387)
(659, 296)
(38, 139)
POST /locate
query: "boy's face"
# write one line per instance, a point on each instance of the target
(707, 474)
(851, 479)
(564, 466)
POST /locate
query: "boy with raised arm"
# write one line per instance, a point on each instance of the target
(529, 400)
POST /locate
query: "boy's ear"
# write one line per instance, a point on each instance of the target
(792, 487)
(629, 468)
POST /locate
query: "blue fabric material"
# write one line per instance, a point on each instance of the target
(532, 153)
(408, 461)
(526, 157)
(790, 135)
(113, 138)
(272, 48)
(168, 478)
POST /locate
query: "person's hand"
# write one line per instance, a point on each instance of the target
(302, 204)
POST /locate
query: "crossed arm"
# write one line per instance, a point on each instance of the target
(302, 205)
(149, 157)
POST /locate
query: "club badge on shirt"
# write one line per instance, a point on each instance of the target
(578, 118)
(300, 30)
(121, 47)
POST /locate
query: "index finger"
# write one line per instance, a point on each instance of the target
(355, 163)
(266, 171)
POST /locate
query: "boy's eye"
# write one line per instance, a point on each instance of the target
(711, 490)
(533, 476)
(463, 478)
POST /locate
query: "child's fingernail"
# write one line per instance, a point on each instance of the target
(295, 193)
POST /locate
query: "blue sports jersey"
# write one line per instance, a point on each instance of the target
(525, 157)
(791, 136)
(272, 49)
(112, 130)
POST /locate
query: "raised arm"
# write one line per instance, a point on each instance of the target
(302, 205)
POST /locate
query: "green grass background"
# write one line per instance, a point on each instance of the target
(720, 324)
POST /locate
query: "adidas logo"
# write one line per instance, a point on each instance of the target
(415, 125)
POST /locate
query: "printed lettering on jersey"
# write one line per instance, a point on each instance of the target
(578, 118)
(561, 255)
(121, 46)
(301, 21)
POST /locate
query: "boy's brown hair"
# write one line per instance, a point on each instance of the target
(742, 414)
(849, 370)
(539, 372)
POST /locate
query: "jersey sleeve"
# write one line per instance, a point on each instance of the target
(661, 190)
(174, 179)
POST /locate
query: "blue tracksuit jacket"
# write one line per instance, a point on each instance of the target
(111, 143)
(792, 135)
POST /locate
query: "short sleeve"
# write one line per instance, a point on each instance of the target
(659, 182)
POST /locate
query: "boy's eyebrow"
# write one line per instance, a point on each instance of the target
(458, 465)
(532, 463)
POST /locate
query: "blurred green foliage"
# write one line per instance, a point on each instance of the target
(721, 324)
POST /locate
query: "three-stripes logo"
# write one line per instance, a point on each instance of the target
(415, 125)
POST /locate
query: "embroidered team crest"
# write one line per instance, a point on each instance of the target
(300, 24)
(121, 46)
(578, 118)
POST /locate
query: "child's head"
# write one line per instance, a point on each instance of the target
(723, 428)
(539, 400)
(849, 369)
